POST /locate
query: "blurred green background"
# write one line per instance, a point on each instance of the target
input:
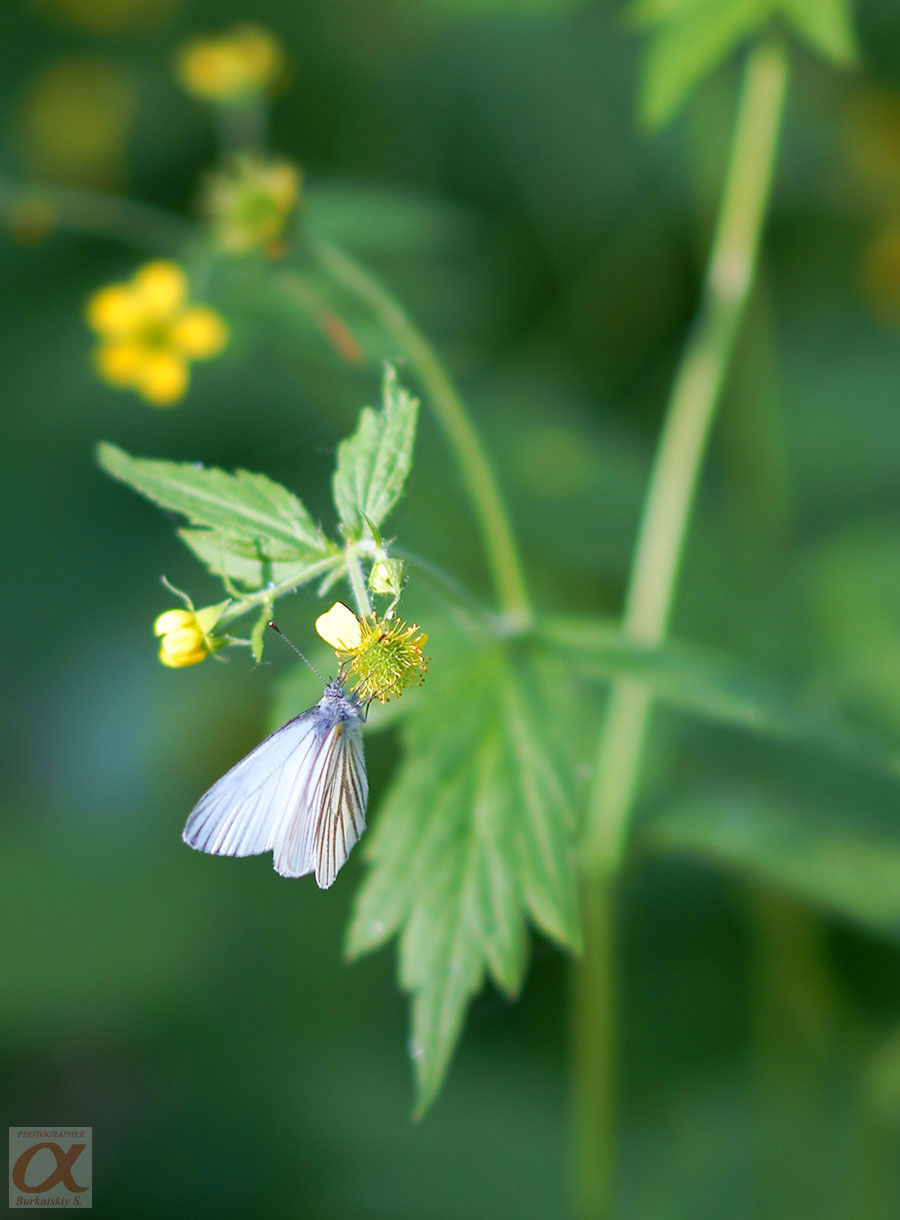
(486, 159)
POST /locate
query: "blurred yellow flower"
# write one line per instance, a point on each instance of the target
(149, 333)
(244, 61)
(186, 635)
(250, 202)
(75, 118)
(384, 656)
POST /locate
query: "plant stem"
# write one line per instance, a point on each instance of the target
(593, 1040)
(694, 398)
(689, 415)
(244, 602)
(478, 476)
(112, 216)
(357, 582)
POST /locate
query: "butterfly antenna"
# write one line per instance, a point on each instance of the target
(291, 644)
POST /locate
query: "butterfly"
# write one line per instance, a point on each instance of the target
(301, 794)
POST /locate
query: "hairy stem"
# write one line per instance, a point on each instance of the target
(478, 476)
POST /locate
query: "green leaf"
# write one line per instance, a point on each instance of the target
(374, 462)
(693, 38)
(475, 835)
(258, 634)
(256, 564)
(242, 504)
(253, 529)
(838, 862)
(826, 25)
(718, 688)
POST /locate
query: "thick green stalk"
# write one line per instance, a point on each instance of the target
(679, 457)
(478, 477)
(593, 1039)
(689, 415)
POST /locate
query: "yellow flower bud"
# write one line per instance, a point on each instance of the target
(186, 646)
(173, 620)
(186, 635)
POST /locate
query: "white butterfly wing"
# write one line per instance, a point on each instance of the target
(329, 816)
(239, 815)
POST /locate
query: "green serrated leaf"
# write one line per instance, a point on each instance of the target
(253, 531)
(827, 26)
(474, 836)
(374, 462)
(690, 45)
(242, 505)
(841, 864)
(546, 823)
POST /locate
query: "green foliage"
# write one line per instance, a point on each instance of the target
(844, 860)
(825, 25)
(688, 39)
(693, 39)
(253, 530)
(718, 688)
(374, 462)
(486, 8)
(475, 834)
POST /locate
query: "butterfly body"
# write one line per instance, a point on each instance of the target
(301, 794)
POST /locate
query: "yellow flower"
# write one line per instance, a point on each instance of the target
(383, 655)
(242, 62)
(148, 333)
(186, 635)
(249, 204)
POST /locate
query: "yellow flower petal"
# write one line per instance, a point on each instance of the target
(181, 643)
(339, 627)
(211, 70)
(173, 620)
(199, 333)
(261, 54)
(182, 659)
(162, 378)
(114, 310)
(160, 287)
(120, 363)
